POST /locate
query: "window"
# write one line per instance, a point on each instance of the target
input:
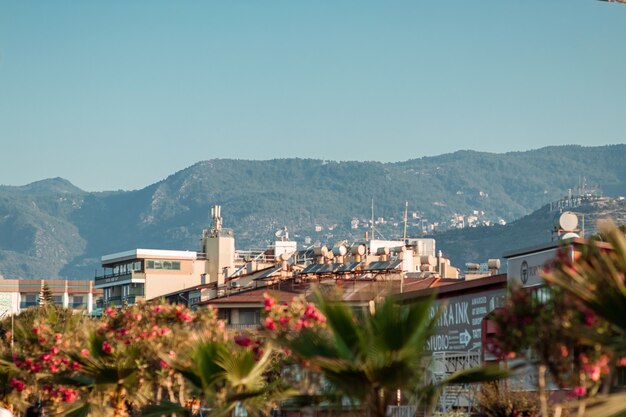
(249, 316)
(224, 314)
(158, 264)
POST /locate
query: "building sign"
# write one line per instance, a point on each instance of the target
(527, 269)
(458, 328)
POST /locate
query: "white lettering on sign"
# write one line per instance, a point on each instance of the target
(453, 314)
(438, 342)
(479, 300)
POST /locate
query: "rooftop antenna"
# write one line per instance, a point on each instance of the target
(373, 237)
(216, 214)
(406, 210)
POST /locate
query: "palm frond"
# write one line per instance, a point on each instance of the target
(166, 408)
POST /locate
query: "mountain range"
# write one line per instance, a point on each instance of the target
(51, 228)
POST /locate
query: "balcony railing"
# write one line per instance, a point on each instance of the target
(119, 278)
(240, 326)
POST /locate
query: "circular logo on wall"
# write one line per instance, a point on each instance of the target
(524, 272)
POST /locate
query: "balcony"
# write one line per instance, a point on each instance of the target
(111, 280)
(118, 301)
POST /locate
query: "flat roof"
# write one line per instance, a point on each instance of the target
(148, 253)
(555, 244)
(445, 288)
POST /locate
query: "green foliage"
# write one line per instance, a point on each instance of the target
(368, 358)
(498, 400)
(260, 196)
(596, 278)
(226, 376)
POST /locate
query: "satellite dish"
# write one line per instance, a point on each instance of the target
(569, 235)
(568, 221)
(282, 234)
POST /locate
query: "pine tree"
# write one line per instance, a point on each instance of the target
(45, 296)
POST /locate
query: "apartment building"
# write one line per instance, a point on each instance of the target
(17, 295)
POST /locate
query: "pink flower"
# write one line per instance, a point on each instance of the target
(595, 373)
(55, 350)
(258, 352)
(268, 302)
(163, 364)
(84, 353)
(110, 311)
(579, 391)
(17, 384)
(75, 366)
(165, 331)
(183, 316)
(46, 357)
(107, 348)
(69, 395)
(243, 340)
(269, 323)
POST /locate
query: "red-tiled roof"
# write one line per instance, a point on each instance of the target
(416, 284)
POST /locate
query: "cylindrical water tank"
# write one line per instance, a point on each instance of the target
(340, 250)
(321, 251)
(428, 260)
(358, 250)
(493, 264)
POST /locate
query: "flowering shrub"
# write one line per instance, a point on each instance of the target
(545, 324)
(42, 339)
(64, 358)
(287, 320)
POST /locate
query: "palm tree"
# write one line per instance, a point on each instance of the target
(224, 377)
(368, 359)
(109, 381)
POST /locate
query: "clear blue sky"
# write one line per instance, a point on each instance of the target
(118, 95)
